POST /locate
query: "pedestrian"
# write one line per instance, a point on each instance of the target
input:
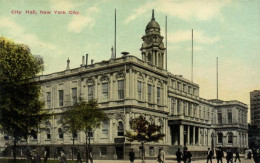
(63, 158)
(132, 155)
(78, 157)
(36, 158)
(179, 156)
(186, 155)
(46, 156)
(219, 154)
(90, 156)
(229, 156)
(237, 156)
(209, 155)
(28, 155)
(161, 155)
(249, 155)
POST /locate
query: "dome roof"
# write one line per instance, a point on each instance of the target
(153, 23)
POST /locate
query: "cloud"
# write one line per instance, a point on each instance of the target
(198, 36)
(79, 22)
(192, 9)
(63, 5)
(21, 35)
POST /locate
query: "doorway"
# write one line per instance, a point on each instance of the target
(120, 153)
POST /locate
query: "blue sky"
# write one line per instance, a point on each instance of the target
(229, 30)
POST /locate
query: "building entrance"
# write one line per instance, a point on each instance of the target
(120, 153)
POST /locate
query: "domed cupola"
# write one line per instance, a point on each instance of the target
(152, 26)
(153, 46)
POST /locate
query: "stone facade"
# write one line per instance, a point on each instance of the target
(127, 87)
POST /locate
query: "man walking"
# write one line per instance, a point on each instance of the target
(219, 154)
(179, 156)
(186, 155)
(237, 156)
(161, 156)
(209, 156)
(229, 156)
(131, 156)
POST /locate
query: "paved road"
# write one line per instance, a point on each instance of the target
(167, 161)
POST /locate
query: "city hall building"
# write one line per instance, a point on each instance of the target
(127, 87)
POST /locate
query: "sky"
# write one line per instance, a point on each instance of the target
(227, 29)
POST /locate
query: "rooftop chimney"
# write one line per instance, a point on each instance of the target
(92, 61)
(86, 59)
(125, 54)
(83, 61)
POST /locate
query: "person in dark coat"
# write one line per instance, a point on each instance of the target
(209, 156)
(237, 156)
(186, 155)
(256, 156)
(78, 157)
(131, 155)
(219, 154)
(229, 156)
(179, 156)
(249, 155)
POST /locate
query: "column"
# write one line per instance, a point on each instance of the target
(181, 107)
(153, 58)
(175, 106)
(111, 90)
(127, 127)
(199, 136)
(127, 79)
(194, 143)
(110, 130)
(131, 83)
(188, 135)
(181, 135)
(96, 88)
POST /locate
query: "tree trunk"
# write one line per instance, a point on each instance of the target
(73, 140)
(87, 147)
(14, 150)
(142, 151)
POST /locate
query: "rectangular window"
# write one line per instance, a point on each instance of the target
(61, 96)
(48, 99)
(200, 114)
(212, 120)
(194, 110)
(105, 91)
(204, 113)
(158, 95)
(90, 92)
(103, 151)
(90, 134)
(178, 106)
(139, 90)
(74, 95)
(172, 106)
(179, 86)
(184, 88)
(149, 93)
(184, 108)
(194, 91)
(189, 109)
(219, 118)
(120, 89)
(189, 89)
(151, 151)
(229, 117)
(173, 84)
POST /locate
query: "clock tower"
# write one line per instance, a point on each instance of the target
(153, 47)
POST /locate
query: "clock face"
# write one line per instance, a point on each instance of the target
(149, 40)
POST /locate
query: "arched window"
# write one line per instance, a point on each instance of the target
(104, 81)
(120, 129)
(48, 133)
(90, 87)
(230, 138)
(105, 129)
(60, 133)
(220, 137)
